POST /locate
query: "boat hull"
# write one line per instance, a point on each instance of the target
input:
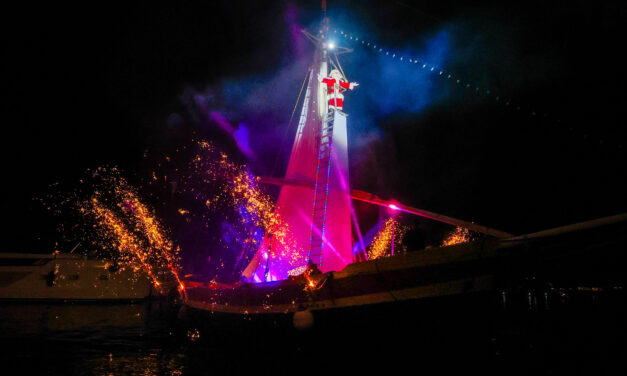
(523, 271)
(65, 278)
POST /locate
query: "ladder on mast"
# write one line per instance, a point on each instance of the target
(321, 191)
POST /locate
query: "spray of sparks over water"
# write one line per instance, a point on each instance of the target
(108, 217)
(255, 208)
(390, 235)
(458, 236)
(124, 230)
(223, 199)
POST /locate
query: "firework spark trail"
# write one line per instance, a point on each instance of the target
(246, 192)
(113, 217)
(148, 225)
(117, 219)
(381, 244)
(459, 235)
(220, 188)
(241, 190)
(123, 240)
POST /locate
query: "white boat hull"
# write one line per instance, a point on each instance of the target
(65, 277)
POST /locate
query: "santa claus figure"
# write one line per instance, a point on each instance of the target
(335, 86)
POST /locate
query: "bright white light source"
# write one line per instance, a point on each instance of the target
(393, 207)
(331, 45)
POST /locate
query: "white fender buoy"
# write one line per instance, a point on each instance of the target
(303, 319)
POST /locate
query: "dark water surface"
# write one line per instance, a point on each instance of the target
(67, 339)
(141, 339)
(430, 338)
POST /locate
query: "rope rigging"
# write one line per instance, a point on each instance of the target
(289, 124)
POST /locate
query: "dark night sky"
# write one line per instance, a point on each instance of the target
(96, 84)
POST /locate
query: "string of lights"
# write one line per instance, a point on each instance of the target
(476, 89)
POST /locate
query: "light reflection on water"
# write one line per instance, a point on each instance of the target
(80, 339)
(37, 318)
(152, 364)
(148, 339)
(132, 339)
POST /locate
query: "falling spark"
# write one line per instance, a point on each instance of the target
(221, 186)
(117, 223)
(391, 232)
(121, 221)
(127, 244)
(459, 235)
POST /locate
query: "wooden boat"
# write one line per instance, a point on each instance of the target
(532, 271)
(506, 269)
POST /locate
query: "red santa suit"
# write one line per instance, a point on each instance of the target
(335, 87)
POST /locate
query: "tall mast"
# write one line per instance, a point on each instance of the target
(318, 213)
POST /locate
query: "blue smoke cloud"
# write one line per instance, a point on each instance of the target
(391, 86)
(261, 104)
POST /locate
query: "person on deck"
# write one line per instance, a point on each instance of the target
(312, 268)
(335, 86)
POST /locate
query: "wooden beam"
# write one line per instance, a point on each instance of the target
(376, 200)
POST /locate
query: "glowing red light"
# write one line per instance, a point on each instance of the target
(393, 207)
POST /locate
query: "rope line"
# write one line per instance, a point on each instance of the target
(289, 124)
